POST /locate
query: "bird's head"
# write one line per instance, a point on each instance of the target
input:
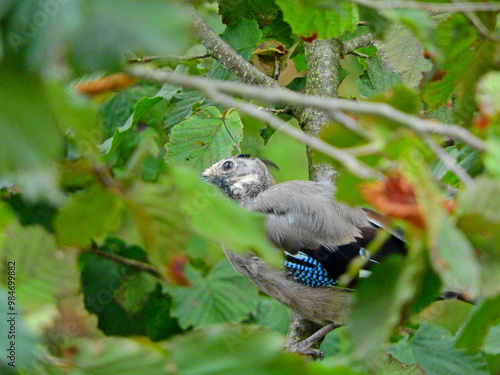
(240, 177)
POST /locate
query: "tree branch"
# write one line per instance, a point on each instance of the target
(228, 57)
(287, 98)
(436, 7)
(125, 261)
(353, 44)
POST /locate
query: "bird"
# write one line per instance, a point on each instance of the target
(320, 237)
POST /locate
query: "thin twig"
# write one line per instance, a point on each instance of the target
(350, 162)
(449, 162)
(478, 24)
(436, 7)
(287, 98)
(147, 59)
(125, 261)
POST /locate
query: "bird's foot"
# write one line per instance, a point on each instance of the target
(305, 346)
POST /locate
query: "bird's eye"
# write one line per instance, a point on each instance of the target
(227, 166)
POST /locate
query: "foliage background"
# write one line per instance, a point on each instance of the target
(117, 242)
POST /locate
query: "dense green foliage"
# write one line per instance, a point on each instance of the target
(116, 241)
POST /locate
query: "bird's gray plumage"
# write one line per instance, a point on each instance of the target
(301, 214)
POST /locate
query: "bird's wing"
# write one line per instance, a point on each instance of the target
(303, 215)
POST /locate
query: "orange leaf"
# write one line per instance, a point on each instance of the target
(113, 82)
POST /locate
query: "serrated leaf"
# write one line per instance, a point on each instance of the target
(457, 44)
(159, 219)
(232, 350)
(182, 107)
(262, 11)
(403, 54)
(308, 19)
(221, 296)
(91, 214)
(377, 78)
(43, 271)
(204, 138)
(243, 37)
(432, 348)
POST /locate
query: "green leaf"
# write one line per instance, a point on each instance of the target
(455, 258)
(159, 219)
(492, 341)
(21, 347)
(124, 356)
(492, 156)
(221, 296)
(43, 271)
(91, 214)
(473, 335)
(243, 37)
(204, 138)
(450, 314)
(126, 302)
(456, 42)
(403, 54)
(262, 11)
(308, 19)
(377, 78)
(232, 350)
(30, 140)
(183, 104)
(432, 348)
(147, 28)
(372, 319)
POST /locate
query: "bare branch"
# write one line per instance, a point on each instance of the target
(125, 261)
(349, 161)
(361, 41)
(436, 7)
(228, 57)
(288, 98)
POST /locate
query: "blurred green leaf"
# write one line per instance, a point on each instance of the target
(262, 11)
(272, 314)
(221, 296)
(432, 348)
(159, 219)
(308, 19)
(372, 319)
(43, 271)
(30, 140)
(474, 333)
(91, 214)
(232, 350)
(450, 314)
(204, 138)
(243, 37)
(492, 341)
(376, 78)
(492, 156)
(455, 41)
(94, 35)
(21, 347)
(124, 356)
